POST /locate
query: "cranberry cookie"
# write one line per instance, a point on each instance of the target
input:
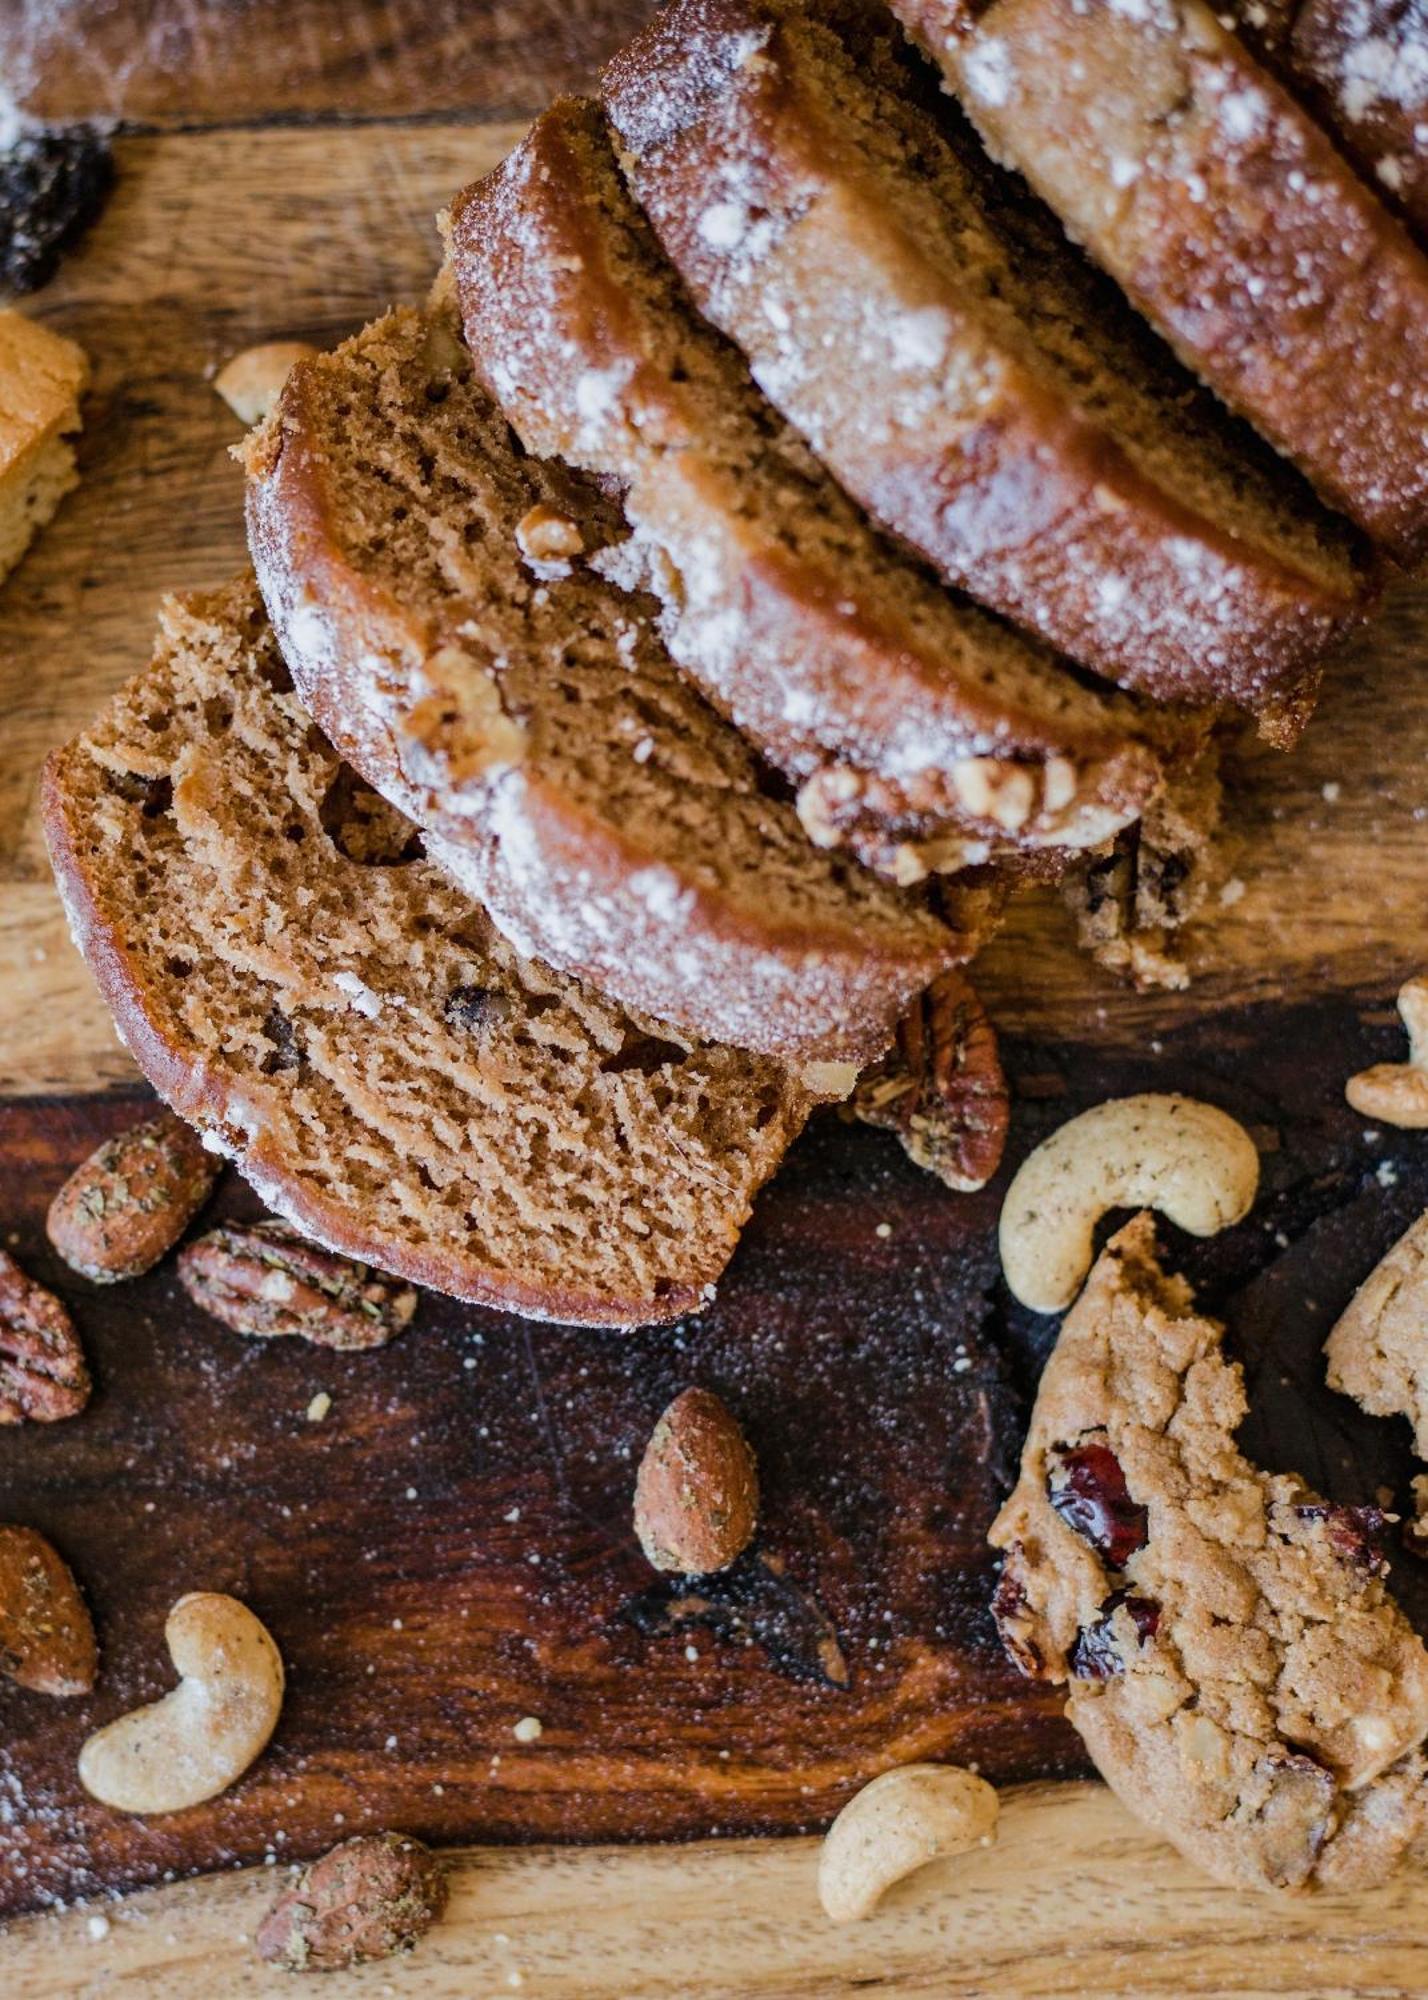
(1236, 1666)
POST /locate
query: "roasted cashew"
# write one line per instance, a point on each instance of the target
(898, 1823)
(1192, 1162)
(202, 1736)
(1397, 1093)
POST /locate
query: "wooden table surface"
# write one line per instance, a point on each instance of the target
(278, 176)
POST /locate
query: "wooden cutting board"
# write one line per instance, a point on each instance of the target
(391, 1546)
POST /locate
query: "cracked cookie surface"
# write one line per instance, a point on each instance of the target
(1236, 1665)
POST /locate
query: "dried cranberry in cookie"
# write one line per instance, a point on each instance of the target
(1236, 1666)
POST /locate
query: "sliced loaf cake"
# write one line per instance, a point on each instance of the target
(42, 377)
(961, 369)
(1228, 217)
(301, 983)
(429, 587)
(919, 730)
(1362, 67)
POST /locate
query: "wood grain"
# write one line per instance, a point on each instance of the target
(223, 62)
(1072, 1901)
(451, 1550)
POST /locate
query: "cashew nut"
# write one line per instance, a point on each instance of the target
(898, 1823)
(251, 383)
(1397, 1093)
(1192, 1162)
(202, 1736)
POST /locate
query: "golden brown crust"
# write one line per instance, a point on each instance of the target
(836, 657)
(807, 243)
(725, 958)
(210, 1065)
(1228, 218)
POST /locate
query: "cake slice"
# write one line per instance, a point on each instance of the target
(1229, 219)
(1362, 67)
(299, 981)
(429, 585)
(919, 730)
(42, 377)
(961, 369)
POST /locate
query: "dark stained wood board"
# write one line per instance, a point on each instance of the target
(450, 1550)
(223, 62)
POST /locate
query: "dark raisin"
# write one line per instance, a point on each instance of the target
(1088, 1490)
(475, 1007)
(53, 183)
(1096, 1656)
(1353, 1533)
(287, 1050)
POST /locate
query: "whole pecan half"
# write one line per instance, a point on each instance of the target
(46, 1634)
(42, 1372)
(374, 1895)
(263, 1278)
(941, 1087)
(132, 1199)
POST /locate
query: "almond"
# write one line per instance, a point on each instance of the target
(374, 1895)
(697, 1494)
(47, 1639)
(132, 1199)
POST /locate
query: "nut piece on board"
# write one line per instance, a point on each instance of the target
(367, 1899)
(252, 381)
(1191, 1161)
(1397, 1093)
(1378, 1350)
(941, 1087)
(900, 1822)
(132, 1199)
(47, 1639)
(697, 1494)
(42, 1372)
(202, 1736)
(264, 1279)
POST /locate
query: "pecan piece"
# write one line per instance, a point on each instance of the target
(132, 1199)
(47, 1639)
(941, 1087)
(265, 1279)
(373, 1896)
(42, 1371)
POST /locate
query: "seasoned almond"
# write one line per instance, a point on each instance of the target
(697, 1494)
(132, 1199)
(47, 1639)
(373, 1896)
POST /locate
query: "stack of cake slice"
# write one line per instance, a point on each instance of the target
(772, 543)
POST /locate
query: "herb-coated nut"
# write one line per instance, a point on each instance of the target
(367, 1899)
(265, 1280)
(697, 1493)
(43, 1377)
(132, 1199)
(47, 1641)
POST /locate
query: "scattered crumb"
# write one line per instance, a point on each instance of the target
(318, 1408)
(98, 1927)
(1332, 791)
(528, 1729)
(1231, 892)
(883, 1229)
